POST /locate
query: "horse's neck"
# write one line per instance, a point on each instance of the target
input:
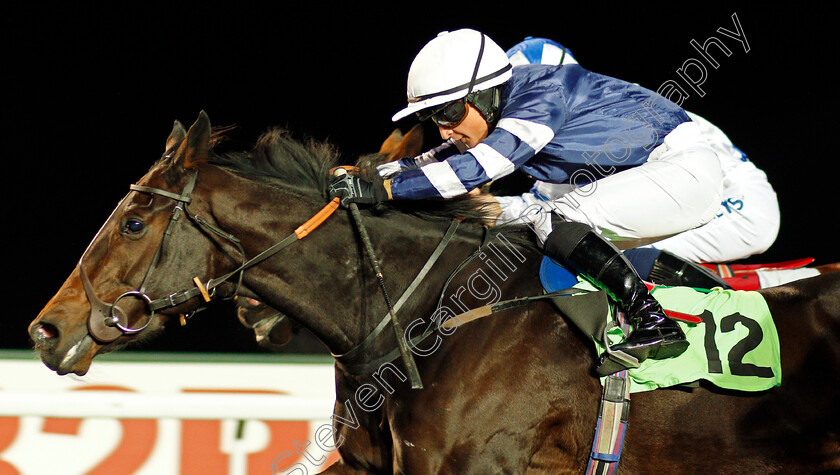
(325, 281)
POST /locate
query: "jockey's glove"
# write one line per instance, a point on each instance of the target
(352, 189)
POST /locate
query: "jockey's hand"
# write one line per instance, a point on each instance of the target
(352, 189)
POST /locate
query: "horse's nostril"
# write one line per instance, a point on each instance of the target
(44, 332)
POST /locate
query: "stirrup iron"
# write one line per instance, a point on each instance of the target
(621, 360)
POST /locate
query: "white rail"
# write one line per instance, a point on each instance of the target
(130, 405)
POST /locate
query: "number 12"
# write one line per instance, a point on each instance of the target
(736, 355)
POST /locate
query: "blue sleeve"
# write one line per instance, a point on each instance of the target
(529, 121)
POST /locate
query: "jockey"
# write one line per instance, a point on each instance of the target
(641, 168)
(747, 221)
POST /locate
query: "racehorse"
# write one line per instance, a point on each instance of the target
(511, 393)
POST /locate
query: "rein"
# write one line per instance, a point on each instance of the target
(107, 322)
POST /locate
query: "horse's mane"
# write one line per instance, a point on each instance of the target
(279, 158)
(305, 165)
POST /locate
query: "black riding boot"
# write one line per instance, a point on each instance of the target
(664, 268)
(582, 250)
(669, 269)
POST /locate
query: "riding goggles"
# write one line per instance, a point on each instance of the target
(449, 115)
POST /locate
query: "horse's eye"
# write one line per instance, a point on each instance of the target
(133, 226)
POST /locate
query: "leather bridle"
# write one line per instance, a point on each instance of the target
(107, 322)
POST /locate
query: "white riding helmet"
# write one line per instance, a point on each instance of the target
(451, 66)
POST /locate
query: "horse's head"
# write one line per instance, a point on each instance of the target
(118, 289)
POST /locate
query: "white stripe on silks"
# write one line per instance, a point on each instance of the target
(444, 179)
(388, 169)
(551, 55)
(519, 59)
(535, 135)
(494, 163)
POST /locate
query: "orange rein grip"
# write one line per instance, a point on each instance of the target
(304, 229)
(202, 289)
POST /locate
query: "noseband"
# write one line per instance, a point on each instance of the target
(107, 322)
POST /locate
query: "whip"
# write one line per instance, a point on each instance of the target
(407, 357)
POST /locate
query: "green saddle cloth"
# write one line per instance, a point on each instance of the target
(735, 347)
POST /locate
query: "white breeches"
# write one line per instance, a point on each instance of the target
(747, 221)
(677, 189)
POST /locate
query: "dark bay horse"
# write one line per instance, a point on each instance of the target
(512, 393)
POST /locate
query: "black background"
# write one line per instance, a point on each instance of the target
(90, 94)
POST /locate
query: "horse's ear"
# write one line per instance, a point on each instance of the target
(397, 145)
(412, 142)
(392, 142)
(195, 147)
(409, 145)
(176, 136)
